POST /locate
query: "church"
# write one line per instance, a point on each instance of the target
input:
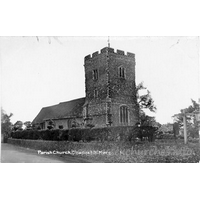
(110, 90)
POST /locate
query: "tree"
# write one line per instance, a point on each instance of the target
(145, 101)
(18, 126)
(146, 120)
(147, 126)
(6, 125)
(166, 128)
(36, 126)
(28, 125)
(191, 121)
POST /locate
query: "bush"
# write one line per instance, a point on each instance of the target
(119, 133)
(168, 136)
(147, 133)
(64, 135)
(79, 134)
(36, 135)
(75, 135)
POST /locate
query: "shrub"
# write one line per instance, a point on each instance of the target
(75, 135)
(122, 133)
(168, 136)
(79, 134)
(64, 135)
(147, 132)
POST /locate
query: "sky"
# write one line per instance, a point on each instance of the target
(44, 71)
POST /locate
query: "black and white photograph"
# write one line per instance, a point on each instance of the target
(100, 99)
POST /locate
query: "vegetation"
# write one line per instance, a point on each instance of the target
(18, 126)
(163, 151)
(118, 144)
(6, 124)
(144, 101)
(77, 134)
(146, 128)
(28, 125)
(159, 151)
(191, 121)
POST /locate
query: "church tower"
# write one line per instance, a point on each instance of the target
(110, 88)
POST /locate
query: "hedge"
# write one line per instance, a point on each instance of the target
(79, 134)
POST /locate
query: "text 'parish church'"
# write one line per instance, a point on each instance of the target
(110, 94)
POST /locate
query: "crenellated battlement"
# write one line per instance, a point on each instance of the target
(95, 54)
(109, 50)
(105, 49)
(120, 52)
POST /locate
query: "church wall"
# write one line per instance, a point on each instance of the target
(66, 123)
(122, 91)
(63, 122)
(99, 121)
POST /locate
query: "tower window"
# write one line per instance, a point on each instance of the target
(85, 111)
(121, 72)
(124, 115)
(95, 93)
(95, 74)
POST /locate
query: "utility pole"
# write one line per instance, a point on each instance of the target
(185, 127)
(184, 115)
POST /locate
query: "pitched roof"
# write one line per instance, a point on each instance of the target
(61, 110)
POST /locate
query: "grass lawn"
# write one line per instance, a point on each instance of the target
(160, 151)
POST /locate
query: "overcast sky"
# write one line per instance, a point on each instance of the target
(36, 74)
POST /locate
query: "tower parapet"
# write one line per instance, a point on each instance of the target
(109, 50)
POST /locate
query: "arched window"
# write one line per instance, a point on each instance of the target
(124, 115)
